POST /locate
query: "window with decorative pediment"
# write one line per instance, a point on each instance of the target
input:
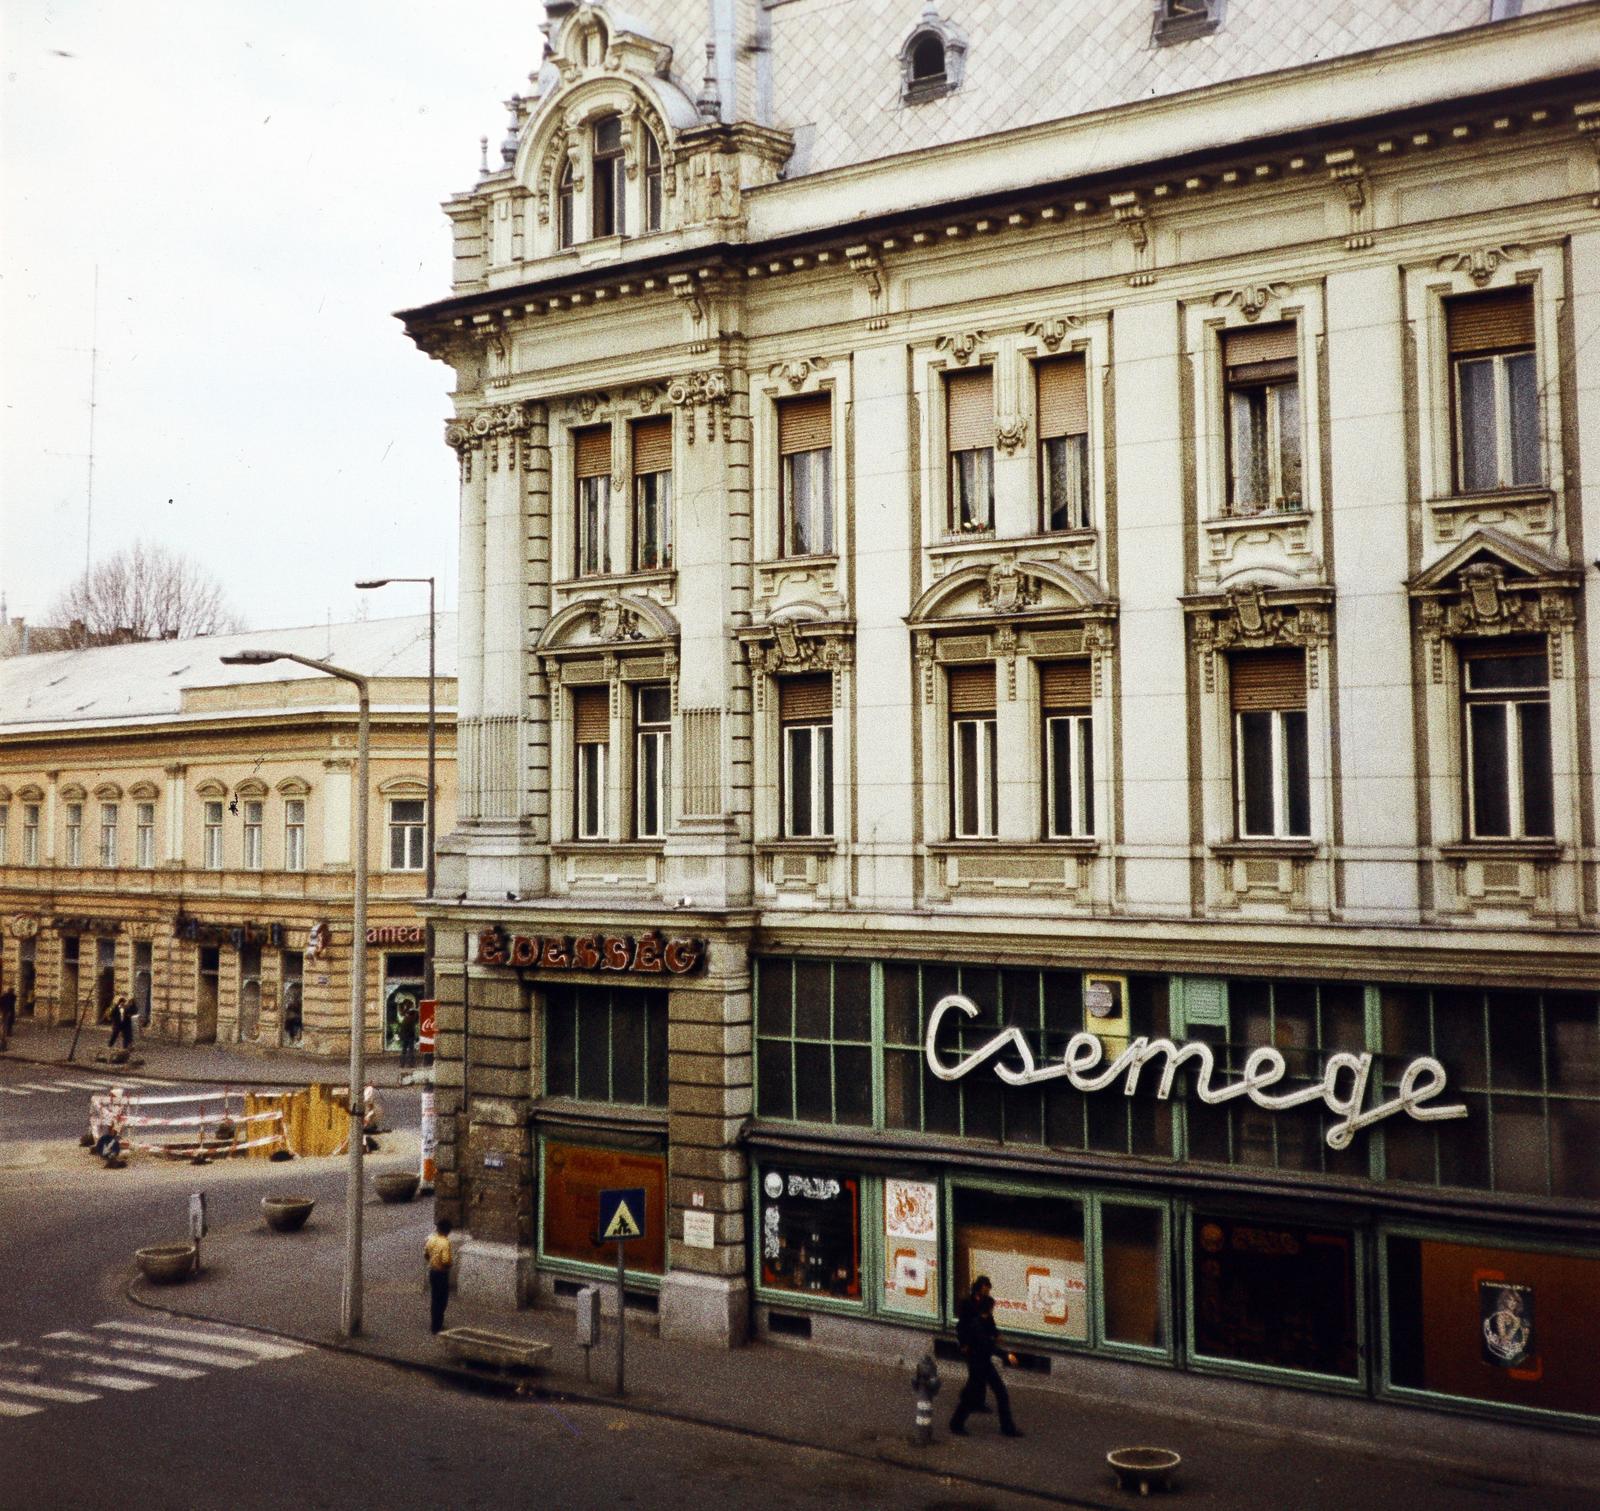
(1496, 616)
(1494, 382)
(933, 58)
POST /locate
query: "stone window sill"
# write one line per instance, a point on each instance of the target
(1545, 850)
(1254, 849)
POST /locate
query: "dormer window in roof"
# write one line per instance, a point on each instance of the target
(932, 58)
(1185, 20)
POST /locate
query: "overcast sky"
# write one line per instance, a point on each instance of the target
(259, 183)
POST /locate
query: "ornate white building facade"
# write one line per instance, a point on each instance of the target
(1085, 511)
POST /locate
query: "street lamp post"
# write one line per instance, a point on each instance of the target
(433, 786)
(350, 1301)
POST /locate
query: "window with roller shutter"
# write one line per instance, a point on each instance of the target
(805, 457)
(1494, 390)
(1262, 374)
(592, 468)
(969, 442)
(973, 788)
(652, 495)
(1068, 725)
(805, 720)
(591, 742)
(1061, 392)
(1272, 785)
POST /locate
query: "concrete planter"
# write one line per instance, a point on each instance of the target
(1143, 1469)
(286, 1214)
(166, 1263)
(396, 1185)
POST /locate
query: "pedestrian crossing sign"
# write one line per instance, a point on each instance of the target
(622, 1214)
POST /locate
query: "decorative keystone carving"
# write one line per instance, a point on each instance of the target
(1350, 176)
(613, 620)
(795, 373)
(1053, 332)
(1250, 300)
(588, 404)
(1481, 262)
(787, 648)
(961, 345)
(1485, 604)
(1134, 220)
(1010, 432)
(1007, 589)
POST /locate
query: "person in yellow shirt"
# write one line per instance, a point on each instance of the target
(439, 1255)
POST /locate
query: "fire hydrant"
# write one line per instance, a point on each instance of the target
(926, 1383)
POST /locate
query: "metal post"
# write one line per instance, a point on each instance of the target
(351, 1308)
(622, 1330)
(433, 792)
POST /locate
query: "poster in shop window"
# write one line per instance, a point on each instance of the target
(1037, 1287)
(911, 1246)
(1507, 1320)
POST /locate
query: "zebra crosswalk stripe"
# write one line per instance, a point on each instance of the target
(15, 1091)
(138, 1366)
(37, 1086)
(260, 1347)
(188, 1355)
(110, 1382)
(45, 1392)
(17, 1409)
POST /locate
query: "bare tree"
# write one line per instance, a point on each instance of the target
(144, 592)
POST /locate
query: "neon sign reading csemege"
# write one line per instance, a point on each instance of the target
(1080, 1064)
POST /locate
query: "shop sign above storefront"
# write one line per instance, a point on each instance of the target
(641, 954)
(235, 934)
(396, 933)
(74, 924)
(1342, 1089)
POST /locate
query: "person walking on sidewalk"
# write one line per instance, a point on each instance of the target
(119, 1022)
(8, 1014)
(440, 1257)
(979, 1340)
(408, 1038)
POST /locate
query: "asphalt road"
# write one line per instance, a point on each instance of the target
(104, 1403)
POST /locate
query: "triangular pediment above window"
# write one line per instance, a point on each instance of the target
(1513, 558)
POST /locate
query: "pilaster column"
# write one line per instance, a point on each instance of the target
(464, 440)
(338, 813)
(173, 855)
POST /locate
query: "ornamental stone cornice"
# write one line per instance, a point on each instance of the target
(1257, 617)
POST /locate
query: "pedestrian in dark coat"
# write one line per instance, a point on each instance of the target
(119, 1016)
(8, 1014)
(408, 1038)
(979, 1340)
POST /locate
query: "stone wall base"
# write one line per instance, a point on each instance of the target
(705, 1308)
(498, 1274)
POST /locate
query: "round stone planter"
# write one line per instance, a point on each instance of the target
(1143, 1469)
(286, 1214)
(396, 1185)
(166, 1263)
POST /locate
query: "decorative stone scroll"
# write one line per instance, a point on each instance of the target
(708, 391)
(499, 429)
(1480, 263)
(1252, 299)
(1258, 618)
(1053, 332)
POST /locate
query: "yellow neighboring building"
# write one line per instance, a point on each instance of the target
(182, 831)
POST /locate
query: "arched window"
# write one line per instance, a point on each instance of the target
(564, 221)
(608, 182)
(652, 181)
(927, 58)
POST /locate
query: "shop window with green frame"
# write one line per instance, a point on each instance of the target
(1067, 1267)
(606, 1044)
(810, 1232)
(814, 1041)
(1527, 1067)
(1306, 1021)
(1274, 1296)
(1049, 1007)
(1471, 1319)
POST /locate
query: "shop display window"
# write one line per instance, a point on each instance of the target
(1032, 1249)
(911, 1270)
(1515, 1327)
(1133, 1272)
(402, 991)
(1276, 1294)
(1306, 1021)
(1527, 1067)
(606, 1044)
(814, 1041)
(810, 1231)
(574, 1177)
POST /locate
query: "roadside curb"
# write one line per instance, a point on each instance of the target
(335, 1073)
(536, 1391)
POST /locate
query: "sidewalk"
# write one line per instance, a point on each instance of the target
(290, 1283)
(216, 1064)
